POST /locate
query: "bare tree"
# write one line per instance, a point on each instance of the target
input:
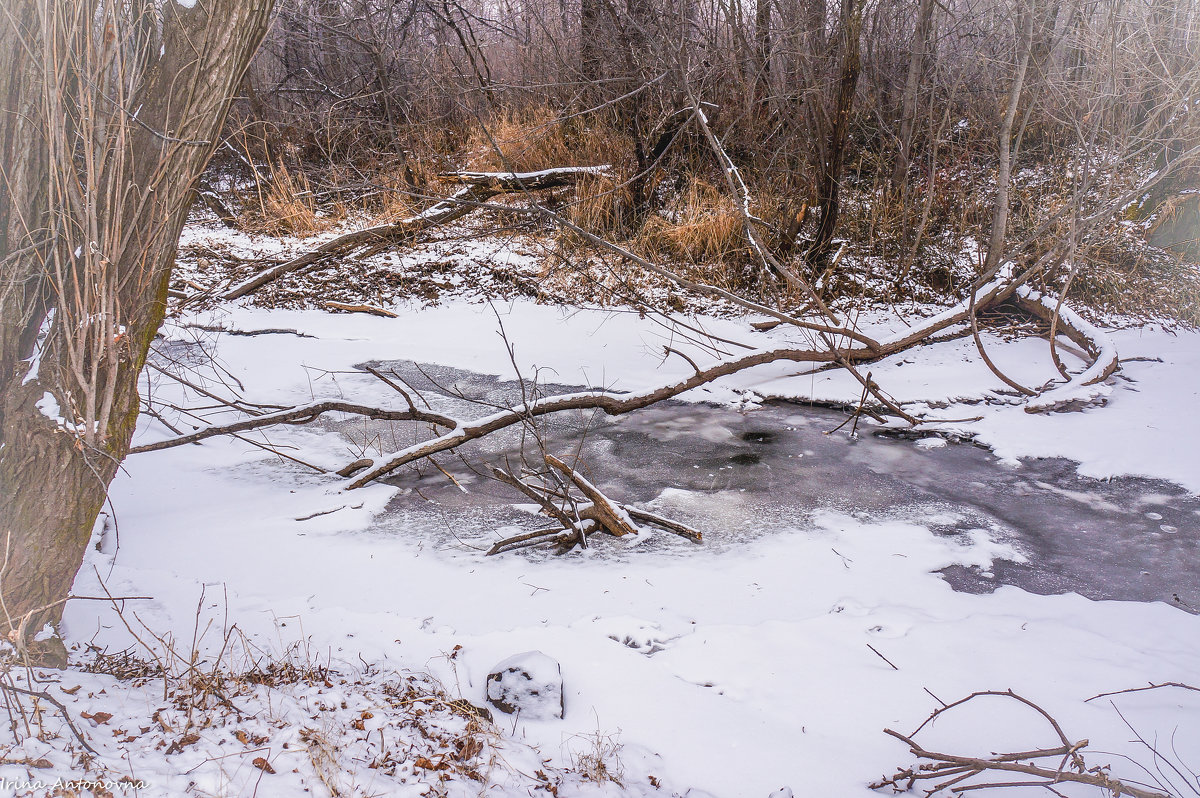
(111, 114)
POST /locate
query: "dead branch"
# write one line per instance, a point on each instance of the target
(953, 771)
(602, 510)
(617, 404)
(480, 186)
(578, 517)
(62, 710)
(374, 311)
(1151, 686)
(459, 431)
(300, 415)
(1084, 387)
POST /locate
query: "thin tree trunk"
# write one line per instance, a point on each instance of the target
(828, 187)
(908, 110)
(762, 50)
(1004, 171)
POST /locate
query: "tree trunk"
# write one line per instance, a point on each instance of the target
(830, 176)
(116, 119)
(762, 52)
(908, 109)
(1025, 17)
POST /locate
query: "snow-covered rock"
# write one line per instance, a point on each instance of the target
(529, 684)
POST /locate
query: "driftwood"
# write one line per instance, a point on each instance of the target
(478, 187)
(955, 773)
(578, 518)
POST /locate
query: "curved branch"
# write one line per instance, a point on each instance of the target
(616, 404)
(1082, 388)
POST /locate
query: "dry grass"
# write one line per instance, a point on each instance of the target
(1146, 285)
(601, 205)
(283, 205)
(597, 757)
(395, 200)
(533, 138)
(702, 226)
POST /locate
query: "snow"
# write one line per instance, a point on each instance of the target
(39, 346)
(48, 407)
(746, 668)
(1083, 387)
(524, 176)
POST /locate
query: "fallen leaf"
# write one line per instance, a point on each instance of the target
(182, 743)
(71, 690)
(263, 765)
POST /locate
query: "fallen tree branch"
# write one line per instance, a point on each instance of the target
(617, 404)
(1085, 387)
(578, 518)
(1152, 686)
(299, 415)
(460, 431)
(952, 771)
(374, 311)
(480, 186)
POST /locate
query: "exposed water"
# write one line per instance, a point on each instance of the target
(737, 475)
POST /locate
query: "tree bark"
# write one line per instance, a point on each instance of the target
(829, 182)
(112, 115)
(1025, 18)
(908, 109)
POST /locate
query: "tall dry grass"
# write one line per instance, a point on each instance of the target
(701, 226)
(528, 139)
(283, 204)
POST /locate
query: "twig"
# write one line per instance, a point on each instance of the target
(58, 705)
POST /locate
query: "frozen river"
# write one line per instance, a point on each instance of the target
(736, 475)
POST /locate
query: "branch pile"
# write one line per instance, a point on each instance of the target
(1040, 767)
(578, 518)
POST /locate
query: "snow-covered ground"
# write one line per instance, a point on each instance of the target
(723, 671)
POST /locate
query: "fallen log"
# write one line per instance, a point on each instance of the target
(617, 404)
(478, 187)
(374, 311)
(1085, 387)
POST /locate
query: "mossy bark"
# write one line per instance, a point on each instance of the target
(112, 116)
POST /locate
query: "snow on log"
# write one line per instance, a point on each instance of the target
(480, 187)
(527, 181)
(372, 309)
(1087, 386)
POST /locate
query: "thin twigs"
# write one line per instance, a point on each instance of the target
(953, 771)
